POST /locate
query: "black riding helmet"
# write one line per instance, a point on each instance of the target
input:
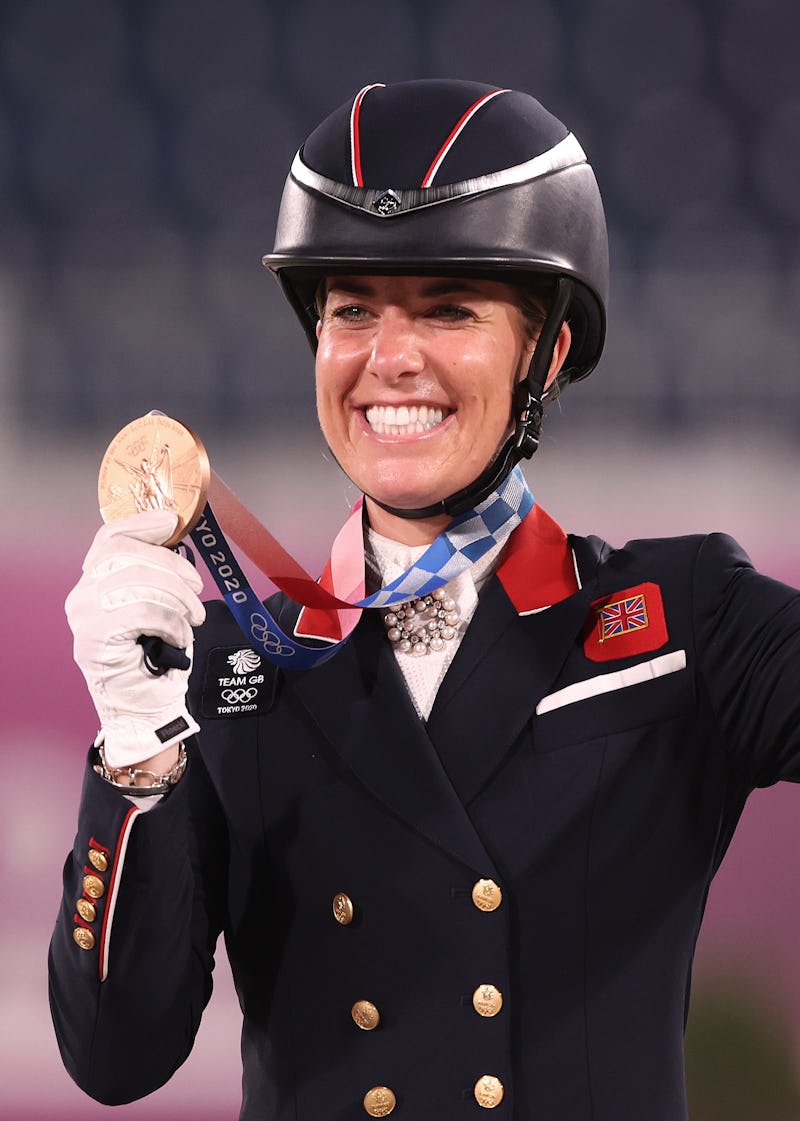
(451, 177)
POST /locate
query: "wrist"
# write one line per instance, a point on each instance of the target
(156, 775)
(132, 740)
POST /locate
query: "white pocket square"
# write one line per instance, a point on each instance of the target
(608, 682)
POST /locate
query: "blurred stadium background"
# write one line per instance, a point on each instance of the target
(143, 147)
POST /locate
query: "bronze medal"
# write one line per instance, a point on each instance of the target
(155, 463)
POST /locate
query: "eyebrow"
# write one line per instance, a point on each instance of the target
(439, 286)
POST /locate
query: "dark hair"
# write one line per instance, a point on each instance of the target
(535, 300)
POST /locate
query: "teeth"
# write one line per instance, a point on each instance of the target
(403, 420)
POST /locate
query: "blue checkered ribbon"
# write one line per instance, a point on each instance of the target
(464, 541)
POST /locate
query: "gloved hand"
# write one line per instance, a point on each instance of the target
(132, 586)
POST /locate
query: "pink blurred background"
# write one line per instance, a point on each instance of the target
(143, 145)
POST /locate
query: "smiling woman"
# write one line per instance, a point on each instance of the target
(467, 184)
(415, 385)
(461, 862)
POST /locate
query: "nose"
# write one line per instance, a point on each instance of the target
(395, 350)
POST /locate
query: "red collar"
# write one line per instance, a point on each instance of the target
(536, 570)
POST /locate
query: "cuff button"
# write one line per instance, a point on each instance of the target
(93, 886)
(86, 910)
(83, 937)
(98, 860)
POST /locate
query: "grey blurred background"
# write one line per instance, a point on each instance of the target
(143, 147)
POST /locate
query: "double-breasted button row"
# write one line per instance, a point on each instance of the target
(94, 888)
(489, 1092)
(487, 1000)
(486, 895)
(364, 1013)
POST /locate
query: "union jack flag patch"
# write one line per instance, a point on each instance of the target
(622, 617)
(625, 623)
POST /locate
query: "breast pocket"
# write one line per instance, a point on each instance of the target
(651, 691)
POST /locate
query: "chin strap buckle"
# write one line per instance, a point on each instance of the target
(529, 424)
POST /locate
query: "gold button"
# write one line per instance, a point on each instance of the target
(343, 909)
(379, 1101)
(83, 937)
(486, 895)
(487, 1000)
(98, 860)
(489, 1091)
(86, 910)
(365, 1014)
(93, 886)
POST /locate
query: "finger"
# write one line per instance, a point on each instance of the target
(125, 623)
(176, 600)
(153, 603)
(153, 527)
(125, 555)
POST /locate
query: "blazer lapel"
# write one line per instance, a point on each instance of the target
(360, 704)
(513, 650)
(505, 665)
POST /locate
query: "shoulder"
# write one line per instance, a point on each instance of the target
(665, 559)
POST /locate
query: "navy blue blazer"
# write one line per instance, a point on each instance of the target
(586, 777)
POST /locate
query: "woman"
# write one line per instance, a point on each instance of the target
(475, 883)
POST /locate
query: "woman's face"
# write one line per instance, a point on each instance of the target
(415, 377)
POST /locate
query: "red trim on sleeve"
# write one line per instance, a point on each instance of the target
(113, 888)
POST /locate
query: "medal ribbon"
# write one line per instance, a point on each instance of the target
(464, 541)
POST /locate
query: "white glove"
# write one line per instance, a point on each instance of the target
(132, 586)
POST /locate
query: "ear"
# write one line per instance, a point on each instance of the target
(560, 352)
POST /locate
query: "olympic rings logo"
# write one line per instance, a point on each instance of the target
(267, 639)
(238, 696)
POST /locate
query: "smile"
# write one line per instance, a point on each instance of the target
(404, 420)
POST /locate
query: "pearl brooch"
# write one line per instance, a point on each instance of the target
(423, 624)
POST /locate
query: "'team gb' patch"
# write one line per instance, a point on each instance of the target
(237, 682)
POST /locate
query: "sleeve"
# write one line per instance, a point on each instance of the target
(748, 634)
(132, 953)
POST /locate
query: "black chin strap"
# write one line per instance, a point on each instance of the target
(527, 408)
